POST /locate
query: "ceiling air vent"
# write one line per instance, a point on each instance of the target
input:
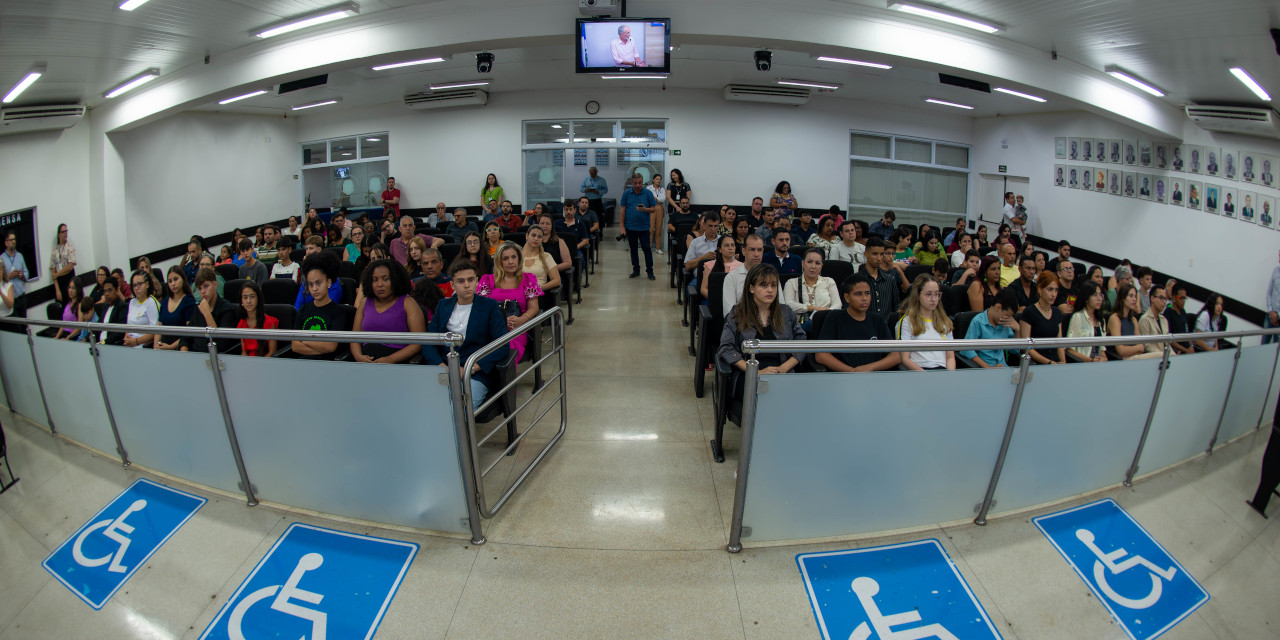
(447, 98)
(770, 94)
(1245, 120)
(23, 119)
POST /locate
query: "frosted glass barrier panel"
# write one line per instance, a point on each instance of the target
(1077, 430)
(1194, 387)
(378, 446)
(167, 411)
(838, 454)
(20, 377)
(1248, 391)
(75, 399)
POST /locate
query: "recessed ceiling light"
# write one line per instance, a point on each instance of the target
(635, 76)
(27, 80)
(309, 105)
(134, 82)
(927, 11)
(1243, 76)
(373, 139)
(130, 5)
(327, 15)
(457, 85)
(556, 126)
(860, 63)
(243, 97)
(948, 104)
(346, 154)
(1128, 78)
(411, 63)
(808, 83)
(1020, 94)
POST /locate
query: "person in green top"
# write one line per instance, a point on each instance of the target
(901, 241)
(491, 190)
(930, 253)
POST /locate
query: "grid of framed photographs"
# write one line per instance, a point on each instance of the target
(1233, 183)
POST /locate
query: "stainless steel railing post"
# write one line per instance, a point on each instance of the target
(35, 366)
(106, 401)
(988, 499)
(216, 366)
(1151, 414)
(1270, 385)
(466, 449)
(1231, 381)
(749, 396)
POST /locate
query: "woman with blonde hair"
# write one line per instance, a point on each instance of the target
(924, 319)
(537, 261)
(515, 289)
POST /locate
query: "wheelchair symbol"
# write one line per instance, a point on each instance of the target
(866, 588)
(115, 530)
(282, 603)
(1111, 563)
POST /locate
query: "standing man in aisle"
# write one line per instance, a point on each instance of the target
(16, 265)
(1273, 300)
(637, 205)
(391, 196)
(594, 187)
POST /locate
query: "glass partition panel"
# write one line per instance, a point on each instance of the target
(1077, 430)
(827, 462)
(869, 145)
(382, 449)
(315, 152)
(951, 156)
(556, 132)
(1190, 400)
(20, 377)
(912, 151)
(377, 145)
(594, 131)
(644, 131)
(342, 150)
(167, 411)
(544, 176)
(1248, 391)
(75, 399)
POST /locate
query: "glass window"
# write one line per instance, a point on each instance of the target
(882, 185)
(870, 146)
(644, 131)
(342, 150)
(913, 151)
(593, 131)
(357, 185)
(377, 145)
(544, 176)
(952, 156)
(314, 153)
(546, 132)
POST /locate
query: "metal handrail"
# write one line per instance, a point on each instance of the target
(853, 346)
(448, 338)
(556, 315)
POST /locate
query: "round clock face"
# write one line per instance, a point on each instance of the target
(593, 107)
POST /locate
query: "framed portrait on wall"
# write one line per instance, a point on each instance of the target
(1100, 180)
(1059, 175)
(1113, 181)
(1162, 156)
(1113, 151)
(1212, 192)
(1086, 176)
(1195, 161)
(1073, 148)
(1267, 211)
(579, 157)
(1177, 197)
(1060, 148)
(1099, 150)
(1146, 186)
(1073, 176)
(1144, 153)
(1086, 149)
(1229, 205)
(1212, 157)
(1160, 190)
(1249, 207)
(1178, 157)
(1130, 184)
(1131, 153)
(1266, 174)
(1230, 169)
(1195, 195)
(1249, 166)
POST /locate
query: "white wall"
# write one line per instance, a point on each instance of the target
(206, 173)
(1226, 254)
(731, 151)
(50, 170)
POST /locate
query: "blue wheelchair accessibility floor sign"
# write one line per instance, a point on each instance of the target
(909, 591)
(315, 584)
(98, 559)
(1143, 587)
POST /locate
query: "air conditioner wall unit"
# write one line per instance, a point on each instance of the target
(46, 118)
(447, 98)
(1244, 120)
(765, 93)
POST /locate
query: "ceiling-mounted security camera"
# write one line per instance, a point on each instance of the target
(764, 60)
(484, 62)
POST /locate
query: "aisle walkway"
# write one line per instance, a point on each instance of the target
(620, 533)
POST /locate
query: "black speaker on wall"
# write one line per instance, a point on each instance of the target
(306, 156)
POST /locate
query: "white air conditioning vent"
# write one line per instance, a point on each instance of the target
(447, 98)
(23, 119)
(770, 94)
(1246, 120)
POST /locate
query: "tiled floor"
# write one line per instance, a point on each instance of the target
(620, 532)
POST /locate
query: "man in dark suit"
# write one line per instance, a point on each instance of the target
(478, 319)
(113, 309)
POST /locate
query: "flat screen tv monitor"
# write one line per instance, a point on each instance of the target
(623, 45)
(341, 173)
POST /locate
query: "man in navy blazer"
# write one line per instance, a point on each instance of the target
(479, 319)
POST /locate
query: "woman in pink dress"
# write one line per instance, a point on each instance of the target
(510, 285)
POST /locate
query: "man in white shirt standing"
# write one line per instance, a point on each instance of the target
(624, 49)
(1014, 216)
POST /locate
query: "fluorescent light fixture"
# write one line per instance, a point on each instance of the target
(808, 83)
(346, 154)
(945, 16)
(635, 76)
(556, 126)
(327, 15)
(636, 140)
(1243, 76)
(243, 97)
(459, 85)
(134, 82)
(373, 139)
(32, 75)
(860, 63)
(130, 5)
(1020, 94)
(1130, 79)
(410, 63)
(309, 105)
(948, 104)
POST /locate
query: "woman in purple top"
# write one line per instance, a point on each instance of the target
(386, 291)
(514, 288)
(71, 307)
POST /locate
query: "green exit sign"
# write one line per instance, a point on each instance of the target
(675, 152)
(1004, 169)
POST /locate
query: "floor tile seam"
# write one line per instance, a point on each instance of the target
(737, 596)
(229, 585)
(977, 578)
(31, 600)
(562, 547)
(453, 615)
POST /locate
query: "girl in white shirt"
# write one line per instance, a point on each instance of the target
(923, 319)
(143, 310)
